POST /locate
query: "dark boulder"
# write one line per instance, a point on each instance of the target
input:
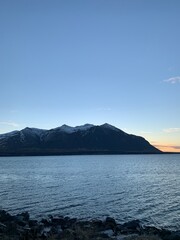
(5, 216)
(110, 223)
(24, 216)
(131, 226)
(171, 235)
(32, 223)
(46, 221)
(58, 221)
(3, 227)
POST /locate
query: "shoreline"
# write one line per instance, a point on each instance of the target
(87, 153)
(81, 154)
(22, 227)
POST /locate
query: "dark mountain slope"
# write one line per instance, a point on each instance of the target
(86, 139)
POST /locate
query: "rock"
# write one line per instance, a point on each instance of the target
(21, 227)
(132, 236)
(151, 230)
(3, 227)
(72, 221)
(46, 222)
(58, 221)
(100, 236)
(171, 236)
(98, 224)
(164, 233)
(12, 228)
(25, 216)
(109, 232)
(110, 223)
(133, 225)
(32, 223)
(35, 231)
(68, 234)
(67, 223)
(56, 230)
(118, 229)
(45, 231)
(22, 223)
(4, 216)
(110, 220)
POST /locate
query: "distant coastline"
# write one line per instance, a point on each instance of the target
(81, 154)
(81, 140)
(78, 153)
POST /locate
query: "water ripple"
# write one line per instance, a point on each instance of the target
(124, 187)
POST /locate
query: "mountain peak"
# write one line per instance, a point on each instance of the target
(36, 131)
(69, 129)
(107, 125)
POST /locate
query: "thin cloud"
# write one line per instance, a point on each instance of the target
(12, 124)
(173, 80)
(176, 147)
(171, 130)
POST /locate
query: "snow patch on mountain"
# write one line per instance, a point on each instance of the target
(69, 130)
(7, 135)
(35, 131)
(22, 137)
(106, 125)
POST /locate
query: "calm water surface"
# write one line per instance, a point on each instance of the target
(126, 187)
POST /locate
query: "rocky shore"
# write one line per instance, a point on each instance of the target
(22, 227)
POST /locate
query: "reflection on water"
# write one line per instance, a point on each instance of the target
(122, 186)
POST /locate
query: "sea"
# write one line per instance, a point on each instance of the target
(125, 187)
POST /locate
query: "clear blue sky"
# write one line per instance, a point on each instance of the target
(92, 61)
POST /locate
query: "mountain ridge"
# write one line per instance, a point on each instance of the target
(64, 140)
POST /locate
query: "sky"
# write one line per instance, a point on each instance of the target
(92, 61)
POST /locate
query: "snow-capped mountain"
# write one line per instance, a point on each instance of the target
(85, 139)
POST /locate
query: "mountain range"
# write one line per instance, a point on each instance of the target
(85, 139)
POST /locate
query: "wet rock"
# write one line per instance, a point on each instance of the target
(5, 216)
(45, 232)
(3, 228)
(2, 225)
(110, 223)
(24, 216)
(118, 229)
(151, 230)
(56, 230)
(132, 226)
(68, 234)
(67, 223)
(110, 220)
(46, 222)
(171, 235)
(164, 233)
(21, 227)
(72, 221)
(100, 236)
(32, 223)
(109, 232)
(12, 228)
(22, 223)
(98, 224)
(58, 221)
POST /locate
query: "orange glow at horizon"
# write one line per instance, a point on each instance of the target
(167, 148)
